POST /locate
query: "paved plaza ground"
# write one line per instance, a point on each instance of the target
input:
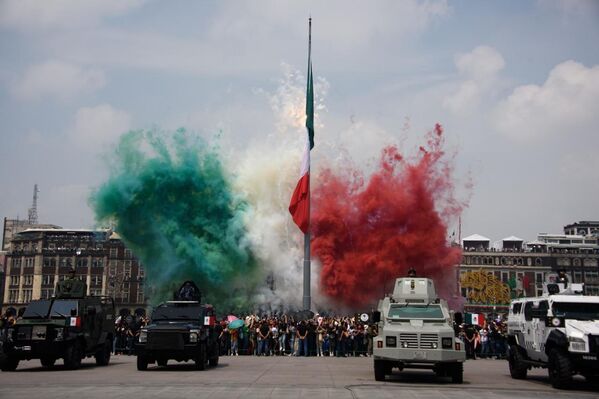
(275, 377)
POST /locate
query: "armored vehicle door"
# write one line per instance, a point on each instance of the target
(92, 321)
(539, 317)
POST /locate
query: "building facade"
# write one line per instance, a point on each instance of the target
(39, 258)
(491, 275)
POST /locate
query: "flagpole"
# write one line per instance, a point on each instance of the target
(307, 297)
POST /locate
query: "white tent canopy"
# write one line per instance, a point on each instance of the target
(513, 238)
(476, 237)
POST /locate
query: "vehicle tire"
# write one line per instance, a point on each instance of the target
(201, 360)
(457, 373)
(162, 362)
(560, 370)
(48, 361)
(518, 369)
(72, 357)
(142, 363)
(381, 369)
(103, 354)
(10, 364)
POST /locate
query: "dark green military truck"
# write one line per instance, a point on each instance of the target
(70, 326)
(180, 330)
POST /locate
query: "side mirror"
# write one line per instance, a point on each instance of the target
(376, 316)
(73, 312)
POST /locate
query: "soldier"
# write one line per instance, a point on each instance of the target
(411, 272)
(71, 286)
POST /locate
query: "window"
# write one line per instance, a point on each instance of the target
(127, 253)
(113, 252)
(28, 279)
(82, 262)
(51, 246)
(16, 262)
(528, 311)
(14, 280)
(13, 296)
(539, 278)
(127, 268)
(48, 279)
(97, 262)
(96, 280)
(142, 272)
(516, 307)
(95, 292)
(27, 295)
(29, 262)
(49, 262)
(538, 262)
(140, 296)
(47, 293)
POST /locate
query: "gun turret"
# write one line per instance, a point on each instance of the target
(414, 290)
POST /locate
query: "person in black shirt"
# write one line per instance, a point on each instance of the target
(302, 335)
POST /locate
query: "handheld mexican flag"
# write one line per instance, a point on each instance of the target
(475, 318)
(299, 207)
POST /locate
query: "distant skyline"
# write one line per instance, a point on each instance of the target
(514, 83)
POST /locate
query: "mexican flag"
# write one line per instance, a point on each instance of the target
(475, 318)
(299, 207)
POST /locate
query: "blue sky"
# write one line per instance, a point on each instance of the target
(515, 83)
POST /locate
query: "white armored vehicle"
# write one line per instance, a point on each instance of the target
(415, 331)
(558, 331)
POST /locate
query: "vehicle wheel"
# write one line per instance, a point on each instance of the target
(103, 355)
(48, 361)
(162, 362)
(381, 369)
(518, 369)
(10, 364)
(201, 360)
(457, 373)
(142, 363)
(72, 357)
(560, 370)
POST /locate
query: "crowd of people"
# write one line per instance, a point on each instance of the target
(488, 341)
(286, 335)
(126, 330)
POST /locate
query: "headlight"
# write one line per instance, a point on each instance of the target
(391, 341)
(193, 336)
(555, 322)
(577, 344)
(59, 332)
(143, 336)
(435, 345)
(446, 342)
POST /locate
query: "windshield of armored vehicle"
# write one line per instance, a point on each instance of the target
(415, 312)
(578, 311)
(37, 309)
(177, 312)
(63, 308)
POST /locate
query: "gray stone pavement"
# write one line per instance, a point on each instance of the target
(275, 377)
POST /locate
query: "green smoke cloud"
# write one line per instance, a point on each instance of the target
(173, 207)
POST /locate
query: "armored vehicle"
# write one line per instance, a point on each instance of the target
(180, 330)
(415, 331)
(558, 331)
(69, 325)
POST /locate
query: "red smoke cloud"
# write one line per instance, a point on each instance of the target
(366, 234)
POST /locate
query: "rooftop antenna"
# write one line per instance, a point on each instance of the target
(33, 210)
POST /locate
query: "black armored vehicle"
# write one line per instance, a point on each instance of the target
(181, 330)
(70, 325)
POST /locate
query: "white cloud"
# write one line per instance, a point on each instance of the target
(98, 126)
(34, 15)
(479, 70)
(57, 79)
(565, 104)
